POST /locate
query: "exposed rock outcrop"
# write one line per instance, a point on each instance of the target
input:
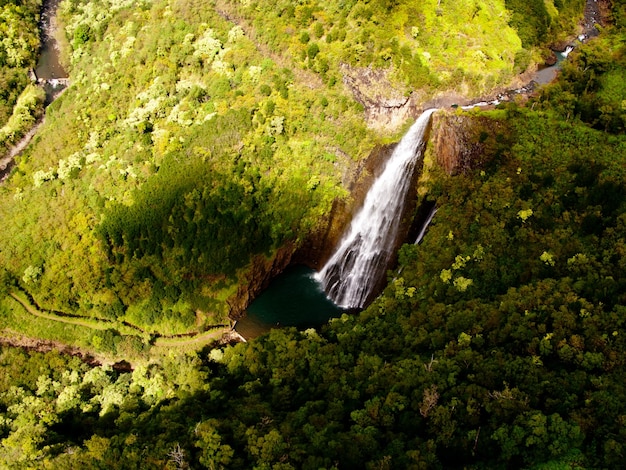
(455, 146)
(459, 142)
(262, 270)
(386, 107)
(551, 59)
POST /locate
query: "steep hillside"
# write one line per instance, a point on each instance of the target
(498, 343)
(197, 136)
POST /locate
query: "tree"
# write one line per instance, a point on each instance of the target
(213, 454)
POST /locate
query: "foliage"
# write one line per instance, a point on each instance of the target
(498, 343)
(591, 86)
(53, 402)
(18, 50)
(27, 110)
(520, 368)
(469, 46)
(185, 154)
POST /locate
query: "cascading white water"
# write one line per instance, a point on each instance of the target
(429, 219)
(567, 50)
(361, 259)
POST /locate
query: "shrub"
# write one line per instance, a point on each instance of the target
(82, 35)
(313, 50)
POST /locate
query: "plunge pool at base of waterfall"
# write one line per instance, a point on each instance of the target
(293, 298)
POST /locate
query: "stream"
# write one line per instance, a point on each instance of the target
(49, 74)
(547, 73)
(49, 66)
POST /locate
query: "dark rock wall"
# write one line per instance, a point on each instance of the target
(457, 142)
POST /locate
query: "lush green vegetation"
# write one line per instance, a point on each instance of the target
(591, 86)
(538, 21)
(175, 158)
(27, 111)
(500, 345)
(19, 106)
(468, 46)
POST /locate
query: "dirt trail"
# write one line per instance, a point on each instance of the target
(215, 334)
(48, 316)
(201, 338)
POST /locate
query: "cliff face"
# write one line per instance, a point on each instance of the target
(262, 270)
(358, 179)
(385, 107)
(314, 251)
(459, 141)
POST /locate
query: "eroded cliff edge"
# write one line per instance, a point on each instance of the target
(318, 246)
(459, 140)
(457, 143)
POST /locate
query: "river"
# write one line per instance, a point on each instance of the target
(49, 74)
(49, 66)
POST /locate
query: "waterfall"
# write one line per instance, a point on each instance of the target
(429, 219)
(363, 255)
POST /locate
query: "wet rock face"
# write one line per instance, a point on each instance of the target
(314, 251)
(258, 277)
(358, 179)
(459, 141)
(551, 59)
(453, 144)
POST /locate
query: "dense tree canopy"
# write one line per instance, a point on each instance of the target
(19, 46)
(176, 158)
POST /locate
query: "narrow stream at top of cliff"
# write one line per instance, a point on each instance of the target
(49, 71)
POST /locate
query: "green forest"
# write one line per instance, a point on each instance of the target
(21, 103)
(199, 140)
